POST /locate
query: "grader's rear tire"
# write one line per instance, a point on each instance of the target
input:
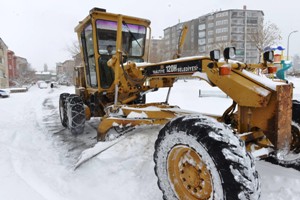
(198, 158)
(63, 109)
(76, 114)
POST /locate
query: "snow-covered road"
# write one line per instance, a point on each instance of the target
(37, 154)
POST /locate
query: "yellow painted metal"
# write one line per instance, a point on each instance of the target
(107, 123)
(143, 114)
(189, 174)
(87, 112)
(241, 89)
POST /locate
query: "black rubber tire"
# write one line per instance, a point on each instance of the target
(63, 109)
(285, 158)
(76, 114)
(291, 160)
(232, 169)
(296, 111)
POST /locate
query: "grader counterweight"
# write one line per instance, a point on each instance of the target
(196, 156)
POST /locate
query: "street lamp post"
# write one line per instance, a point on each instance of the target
(288, 43)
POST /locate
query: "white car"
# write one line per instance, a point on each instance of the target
(43, 85)
(4, 93)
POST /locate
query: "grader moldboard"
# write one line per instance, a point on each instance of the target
(196, 156)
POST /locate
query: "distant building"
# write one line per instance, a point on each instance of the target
(215, 31)
(65, 72)
(156, 50)
(21, 65)
(3, 65)
(45, 76)
(12, 65)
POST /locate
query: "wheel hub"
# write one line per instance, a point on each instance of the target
(189, 174)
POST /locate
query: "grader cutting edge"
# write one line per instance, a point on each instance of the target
(196, 156)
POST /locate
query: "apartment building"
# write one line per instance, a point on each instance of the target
(218, 30)
(3, 65)
(12, 65)
(156, 50)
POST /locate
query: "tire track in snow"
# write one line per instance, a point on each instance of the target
(71, 146)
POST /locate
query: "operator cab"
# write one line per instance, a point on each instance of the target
(103, 35)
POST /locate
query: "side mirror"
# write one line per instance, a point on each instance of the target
(269, 56)
(229, 53)
(214, 55)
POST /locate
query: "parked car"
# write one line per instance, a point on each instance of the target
(4, 93)
(43, 85)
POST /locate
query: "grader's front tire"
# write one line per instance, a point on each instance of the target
(63, 109)
(76, 114)
(199, 158)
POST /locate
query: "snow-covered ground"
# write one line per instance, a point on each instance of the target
(37, 155)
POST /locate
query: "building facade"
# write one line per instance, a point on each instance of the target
(156, 50)
(218, 30)
(3, 65)
(12, 67)
(65, 72)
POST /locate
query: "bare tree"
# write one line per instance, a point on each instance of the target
(26, 75)
(266, 34)
(74, 50)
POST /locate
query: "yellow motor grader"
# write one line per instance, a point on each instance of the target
(196, 156)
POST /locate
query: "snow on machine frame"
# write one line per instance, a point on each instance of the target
(196, 156)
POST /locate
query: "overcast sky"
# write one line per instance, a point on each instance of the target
(41, 30)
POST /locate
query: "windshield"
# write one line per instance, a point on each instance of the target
(133, 38)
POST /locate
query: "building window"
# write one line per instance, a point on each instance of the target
(237, 37)
(238, 22)
(222, 14)
(240, 52)
(201, 27)
(218, 23)
(201, 49)
(211, 17)
(251, 21)
(252, 14)
(251, 29)
(210, 40)
(210, 32)
(201, 41)
(210, 25)
(201, 34)
(225, 30)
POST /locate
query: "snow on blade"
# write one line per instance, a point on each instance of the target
(264, 80)
(136, 115)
